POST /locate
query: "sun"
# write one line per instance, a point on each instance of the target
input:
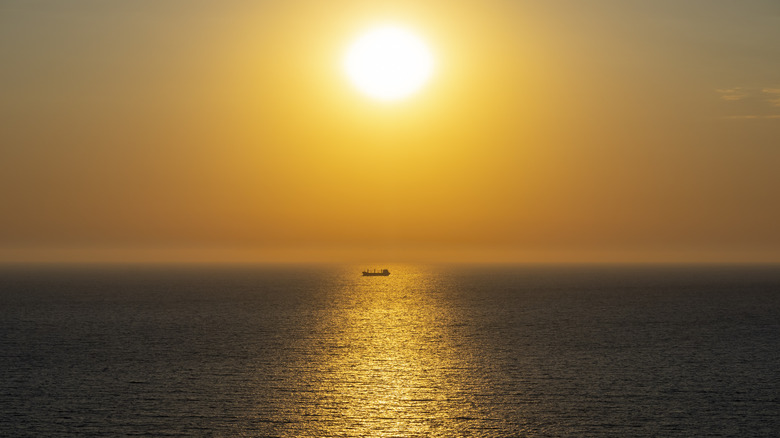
(389, 63)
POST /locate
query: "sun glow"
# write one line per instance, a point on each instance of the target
(389, 63)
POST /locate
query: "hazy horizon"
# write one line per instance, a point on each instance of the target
(313, 255)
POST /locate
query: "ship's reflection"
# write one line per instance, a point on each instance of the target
(381, 361)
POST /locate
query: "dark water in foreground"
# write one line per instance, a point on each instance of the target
(428, 351)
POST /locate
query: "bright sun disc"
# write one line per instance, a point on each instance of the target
(389, 63)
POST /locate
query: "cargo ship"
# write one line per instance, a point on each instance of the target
(375, 273)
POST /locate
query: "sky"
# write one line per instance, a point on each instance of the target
(557, 131)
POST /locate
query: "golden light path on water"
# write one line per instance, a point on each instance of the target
(382, 361)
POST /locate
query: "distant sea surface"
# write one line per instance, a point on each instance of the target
(430, 351)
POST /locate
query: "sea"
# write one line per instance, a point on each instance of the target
(430, 351)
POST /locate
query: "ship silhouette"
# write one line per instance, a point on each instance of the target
(375, 273)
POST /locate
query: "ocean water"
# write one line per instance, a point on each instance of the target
(430, 351)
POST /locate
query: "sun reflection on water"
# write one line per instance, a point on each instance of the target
(382, 363)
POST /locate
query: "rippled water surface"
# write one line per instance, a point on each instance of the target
(428, 351)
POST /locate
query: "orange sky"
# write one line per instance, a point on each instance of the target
(552, 131)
